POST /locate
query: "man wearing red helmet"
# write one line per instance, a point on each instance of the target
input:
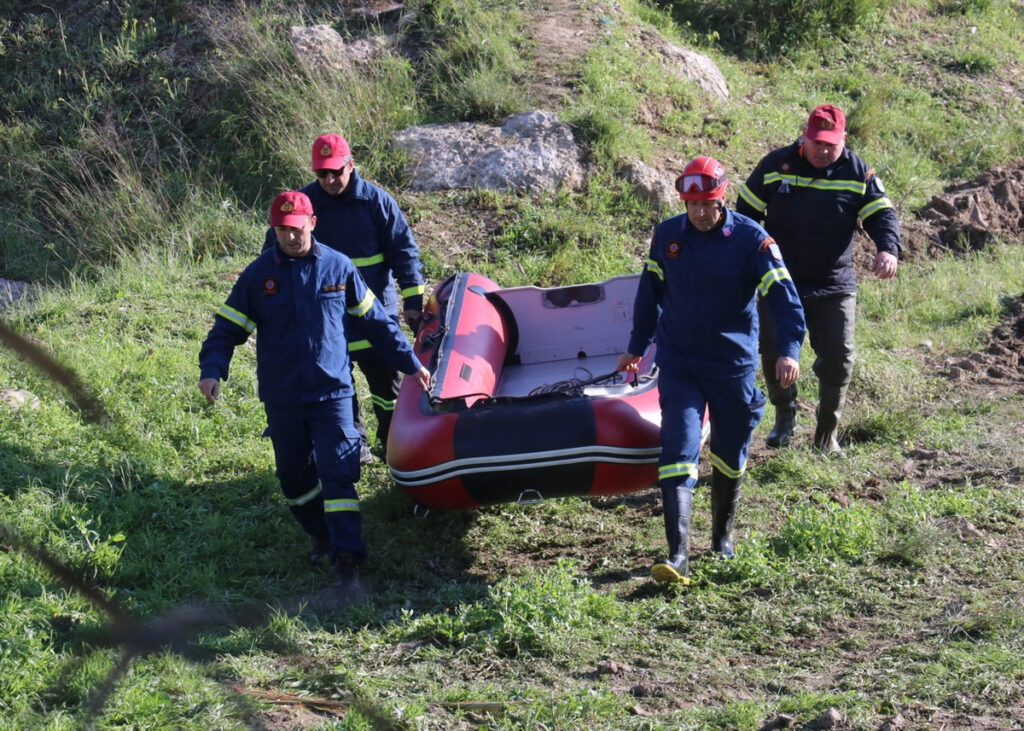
(297, 295)
(363, 221)
(703, 274)
(810, 196)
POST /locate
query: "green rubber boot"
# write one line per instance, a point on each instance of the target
(830, 410)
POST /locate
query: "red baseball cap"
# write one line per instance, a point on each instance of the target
(330, 152)
(826, 124)
(290, 208)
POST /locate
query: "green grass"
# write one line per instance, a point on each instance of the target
(140, 150)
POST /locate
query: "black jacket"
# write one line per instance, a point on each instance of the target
(813, 214)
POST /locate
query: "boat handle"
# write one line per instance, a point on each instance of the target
(523, 500)
(420, 511)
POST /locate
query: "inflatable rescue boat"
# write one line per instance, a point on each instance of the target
(525, 404)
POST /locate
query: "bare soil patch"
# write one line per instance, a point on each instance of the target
(561, 35)
(970, 215)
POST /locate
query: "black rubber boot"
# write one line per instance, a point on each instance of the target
(678, 506)
(347, 567)
(785, 420)
(321, 549)
(830, 410)
(725, 496)
(784, 401)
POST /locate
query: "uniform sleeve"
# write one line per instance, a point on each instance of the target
(779, 293)
(879, 217)
(382, 331)
(232, 325)
(402, 253)
(752, 200)
(647, 306)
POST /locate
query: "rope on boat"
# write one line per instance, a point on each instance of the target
(575, 386)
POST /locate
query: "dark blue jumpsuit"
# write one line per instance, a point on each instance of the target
(303, 371)
(366, 224)
(697, 298)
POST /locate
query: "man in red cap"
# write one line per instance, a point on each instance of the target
(364, 222)
(298, 294)
(810, 195)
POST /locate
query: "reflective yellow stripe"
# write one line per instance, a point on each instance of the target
(853, 186)
(303, 499)
(653, 268)
(386, 404)
(363, 307)
(366, 261)
(357, 345)
(725, 469)
(341, 506)
(755, 202)
(232, 315)
(874, 207)
(678, 469)
(771, 277)
(412, 291)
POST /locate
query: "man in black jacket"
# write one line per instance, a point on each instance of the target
(810, 196)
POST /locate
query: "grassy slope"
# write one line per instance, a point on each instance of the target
(865, 585)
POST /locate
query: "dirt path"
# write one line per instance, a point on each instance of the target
(562, 36)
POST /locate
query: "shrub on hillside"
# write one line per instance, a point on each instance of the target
(766, 28)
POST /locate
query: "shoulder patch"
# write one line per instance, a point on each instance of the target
(769, 246)
(872, 179)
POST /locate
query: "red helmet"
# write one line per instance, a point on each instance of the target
(703, 179)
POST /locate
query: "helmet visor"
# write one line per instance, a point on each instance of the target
(697, 183)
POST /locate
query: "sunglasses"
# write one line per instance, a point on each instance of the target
(698, 183)
(328, 173)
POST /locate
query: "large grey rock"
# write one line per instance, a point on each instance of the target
(689, 65)
(650, 184)
(530, 152)
(321, 49)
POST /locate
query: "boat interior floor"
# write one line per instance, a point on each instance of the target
(522, 380)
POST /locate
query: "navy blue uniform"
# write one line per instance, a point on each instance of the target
(697, 298)
(303, 372)
(366, 224)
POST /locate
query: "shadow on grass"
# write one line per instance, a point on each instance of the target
(199, 570)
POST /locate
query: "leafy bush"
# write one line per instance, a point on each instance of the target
(766, 28)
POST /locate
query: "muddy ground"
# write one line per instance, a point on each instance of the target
(967, 217)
